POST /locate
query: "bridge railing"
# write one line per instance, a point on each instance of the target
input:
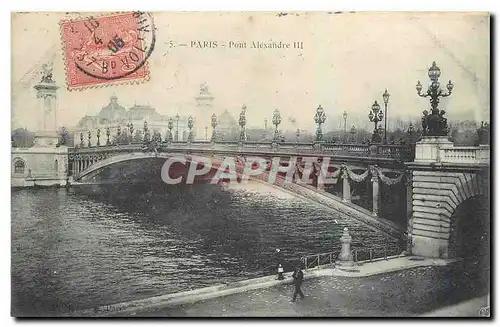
(398, 152)
(320, 259)
(359, 256)
(465, 154)
(374, 253)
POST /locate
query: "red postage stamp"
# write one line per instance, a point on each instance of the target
(107, 49)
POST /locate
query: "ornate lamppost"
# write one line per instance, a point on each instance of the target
(177, 130)
(319, 119)
(297, 133)
(170, 127)
(353, 133)
(214, 124)
(190, 126)
(89, 136)
(98, 136)
(146, 132)
(411, 129)
(242, 122)
(118, 134)
(131, 130)
(385, 97)
(276, 122)
(344, 115)
(81, 139)
(375, 116)
(434, 124)
(108, 133)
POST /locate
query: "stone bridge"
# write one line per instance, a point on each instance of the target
(422, 197)
(360, 168)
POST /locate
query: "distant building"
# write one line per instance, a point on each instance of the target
(227, 127)
(113, 115)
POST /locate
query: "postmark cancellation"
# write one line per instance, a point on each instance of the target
(109, 49)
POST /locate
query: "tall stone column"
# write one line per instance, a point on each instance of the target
(375, 191)
(346, 186)
(46, 93)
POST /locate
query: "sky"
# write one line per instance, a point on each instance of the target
(346, 63)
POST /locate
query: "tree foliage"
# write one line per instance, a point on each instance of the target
(22, 138)
(65, 137)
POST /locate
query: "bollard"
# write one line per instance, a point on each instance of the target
(280, 272)
(345, 256)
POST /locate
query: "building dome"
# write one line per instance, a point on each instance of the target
(113, 111)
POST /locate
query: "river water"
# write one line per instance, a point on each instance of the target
(71, 251)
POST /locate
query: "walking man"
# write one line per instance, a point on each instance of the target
(298, 278)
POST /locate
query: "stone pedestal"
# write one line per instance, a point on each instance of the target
(46, 139)
(427, 150)
(345, 256)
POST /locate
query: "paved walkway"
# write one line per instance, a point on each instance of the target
(399, 294)
(400, 286)
(471, 308)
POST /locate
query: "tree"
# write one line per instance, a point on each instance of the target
(65, 137)
(22, 138)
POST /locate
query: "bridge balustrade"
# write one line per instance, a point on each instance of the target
(398, 152)
(465, 154)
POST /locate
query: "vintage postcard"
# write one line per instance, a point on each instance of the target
(250, 164)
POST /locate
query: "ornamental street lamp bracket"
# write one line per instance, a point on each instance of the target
(375, 115)
(214, 124)
(319, 119)
(276, 122)
(242, 123)
(434, 124)
(386, 96)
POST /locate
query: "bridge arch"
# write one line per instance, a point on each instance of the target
(96, 166)
(117, 159)
(437, 196)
